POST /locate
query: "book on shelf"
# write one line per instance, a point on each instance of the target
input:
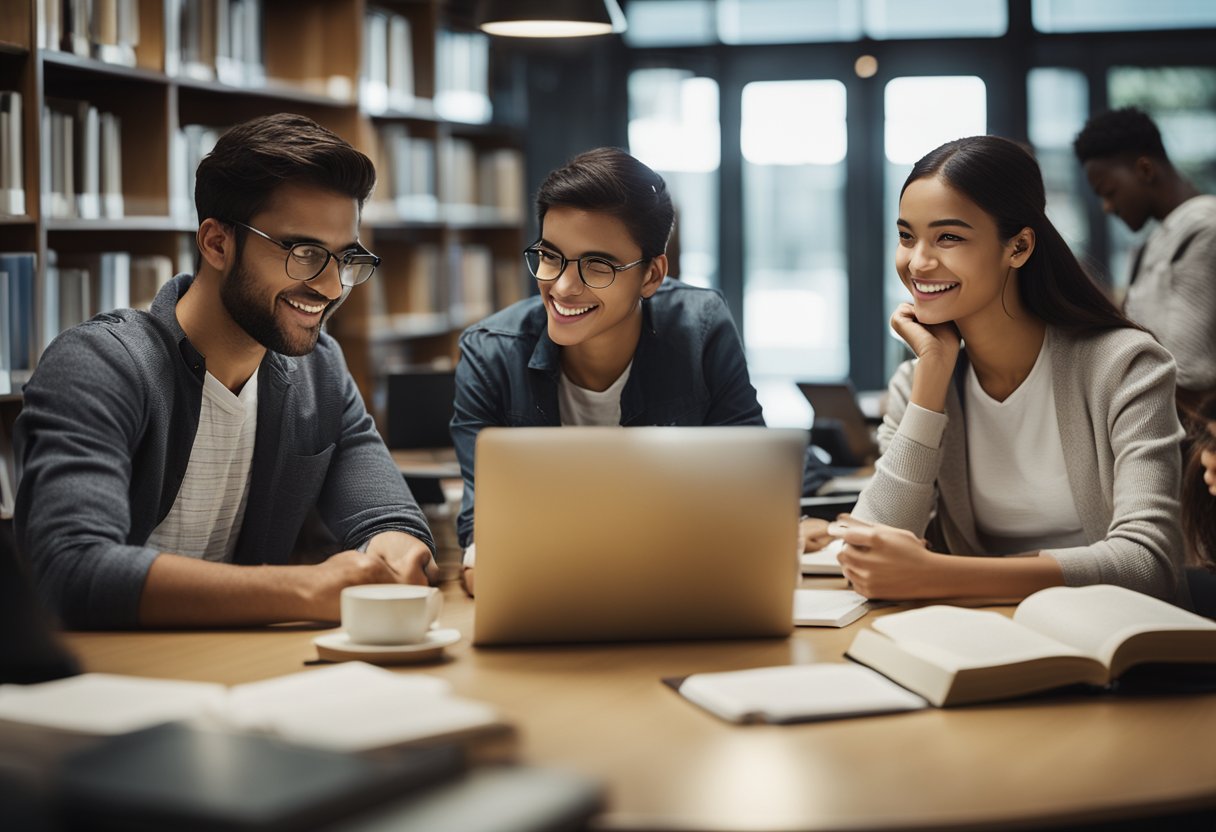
(8, 474)
(12, 175)
(462, 76)
(373, 81)
(238, 42)
(346, 707)
(405, 188)
(67, 298)
(400, 63)
(409, 289)
(83, 149)
(75, 27)
(195, 39)
(1098, 635)
(58, 184)
(6, 361)
(149, 273)
(190, 144)
(49, 34)
(471, 283)
(795, 693)
(114, 30)
(510, 284)
(109, 275)
(500, 181)
(828, 607)
(457, 173)
(18, 325)
(112, 199)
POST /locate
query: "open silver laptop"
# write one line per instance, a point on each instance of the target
(624, 534)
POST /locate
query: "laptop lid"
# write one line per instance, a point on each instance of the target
(611, 534)
(838, 402)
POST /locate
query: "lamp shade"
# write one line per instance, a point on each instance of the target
(550, 18)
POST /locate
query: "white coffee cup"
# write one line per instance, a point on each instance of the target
(389, 613)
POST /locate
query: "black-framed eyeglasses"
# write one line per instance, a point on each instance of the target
(596, 272)
(306, 261)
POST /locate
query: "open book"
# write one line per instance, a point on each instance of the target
(348, 707)
(1058, 636)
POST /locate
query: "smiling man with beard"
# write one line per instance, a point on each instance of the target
(168, 459)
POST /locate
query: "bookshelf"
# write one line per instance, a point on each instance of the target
(115, 110)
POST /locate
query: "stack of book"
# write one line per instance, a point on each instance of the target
(107, 30)
(500, 182)
(406, 184)
(472, 283)
(79, 286)
(215, 40)
(409, 303)
(480, 186)
(462, 76)
(387, 81)
(190, 144)
(84, 149)
(12, 180)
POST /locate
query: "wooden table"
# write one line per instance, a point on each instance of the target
(602, 711)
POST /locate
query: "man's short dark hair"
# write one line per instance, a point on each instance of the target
(1126, 132)
(238, 176)
(608, 179)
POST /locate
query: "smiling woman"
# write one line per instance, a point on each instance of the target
(1036, 420)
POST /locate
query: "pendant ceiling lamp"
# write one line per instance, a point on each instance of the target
(550, 18)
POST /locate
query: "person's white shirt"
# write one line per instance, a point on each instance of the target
(1020, 493)
(580, 406)
(207, 515)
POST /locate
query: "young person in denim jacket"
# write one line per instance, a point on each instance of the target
(608, 341)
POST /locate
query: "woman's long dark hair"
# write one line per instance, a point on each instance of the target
(1004, 180)
(1198, 505)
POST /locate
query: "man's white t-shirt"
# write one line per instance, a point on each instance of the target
(1015, 461)
(582, 407)
(206, 517)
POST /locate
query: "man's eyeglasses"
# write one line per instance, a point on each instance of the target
(596, 272)
(306, 261)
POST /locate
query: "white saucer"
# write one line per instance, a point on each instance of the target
(337, 647)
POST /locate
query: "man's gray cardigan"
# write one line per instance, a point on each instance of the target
(105, 435)
(1114, 394)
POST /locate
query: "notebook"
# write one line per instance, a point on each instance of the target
(650, 533)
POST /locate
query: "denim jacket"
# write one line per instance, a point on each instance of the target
(689, 370)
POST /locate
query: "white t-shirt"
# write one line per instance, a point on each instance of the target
(1019, 485)
(580, 406)
(206, 517)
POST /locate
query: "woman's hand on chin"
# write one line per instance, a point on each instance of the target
(930, 342)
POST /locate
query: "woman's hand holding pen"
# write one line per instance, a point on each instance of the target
(885, 562)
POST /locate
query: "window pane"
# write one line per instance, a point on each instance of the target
(671, 23)
(1182, 101)
(788, 21)
(795, 290)
(898, 19)
(1058, 102)
(1121, 15)
(921, 114)
(673, 128)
